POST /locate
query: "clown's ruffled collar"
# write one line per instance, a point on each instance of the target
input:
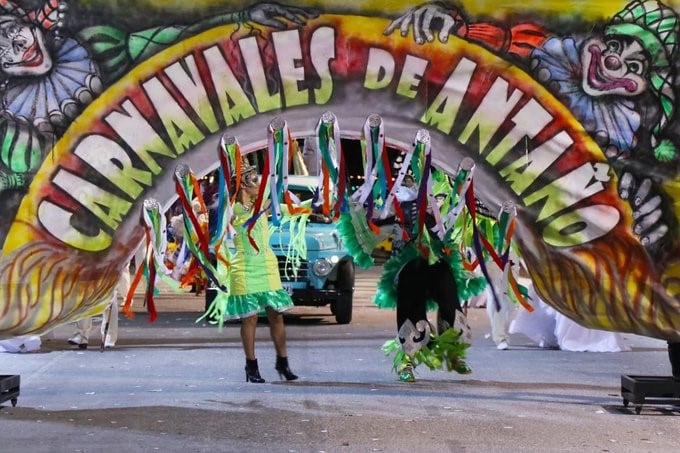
(53, 100)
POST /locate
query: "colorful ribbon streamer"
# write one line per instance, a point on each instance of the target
(196, 235)
(331, 192)
(153, 266)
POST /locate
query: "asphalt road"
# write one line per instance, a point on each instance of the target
(178, 385)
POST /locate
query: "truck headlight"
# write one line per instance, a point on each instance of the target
(322, 267)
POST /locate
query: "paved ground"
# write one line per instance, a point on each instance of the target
(178, 385)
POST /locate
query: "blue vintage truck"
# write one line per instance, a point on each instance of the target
(326, 276)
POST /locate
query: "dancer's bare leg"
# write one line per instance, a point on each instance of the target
(248, 326)
(277, 330)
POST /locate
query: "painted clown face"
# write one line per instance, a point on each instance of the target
(614, 66)
(23, 51)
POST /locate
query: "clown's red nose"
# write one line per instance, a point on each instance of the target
(612, 63)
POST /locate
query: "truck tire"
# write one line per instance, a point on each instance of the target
(342, 307)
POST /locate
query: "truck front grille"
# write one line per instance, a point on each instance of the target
(287, 271)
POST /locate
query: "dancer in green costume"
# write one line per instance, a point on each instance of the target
(427, 273)
(254, 282)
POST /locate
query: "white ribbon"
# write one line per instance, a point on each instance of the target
(156, 250)
(371, 169)
(271, 155)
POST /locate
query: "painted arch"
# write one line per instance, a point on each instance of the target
(598, 249)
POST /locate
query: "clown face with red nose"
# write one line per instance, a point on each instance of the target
(23, 49)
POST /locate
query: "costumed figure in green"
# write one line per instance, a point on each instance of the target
(427, 273)
(426, 270)
(254, 281)
(253, 285)
(245, 276)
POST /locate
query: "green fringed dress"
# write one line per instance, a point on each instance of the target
(254, 282)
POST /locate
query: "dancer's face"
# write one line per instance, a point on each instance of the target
(614, 66)
(23, 51)
(251, 183)
(251, 180)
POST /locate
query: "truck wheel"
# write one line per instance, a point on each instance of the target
(342, 307)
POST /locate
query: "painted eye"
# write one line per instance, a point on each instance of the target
(250, 180)
(19, 45)
(635, 67)
(12, 31)
(614, 45)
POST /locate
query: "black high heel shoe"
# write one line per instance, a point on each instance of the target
(283, 369)
(253, 372)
